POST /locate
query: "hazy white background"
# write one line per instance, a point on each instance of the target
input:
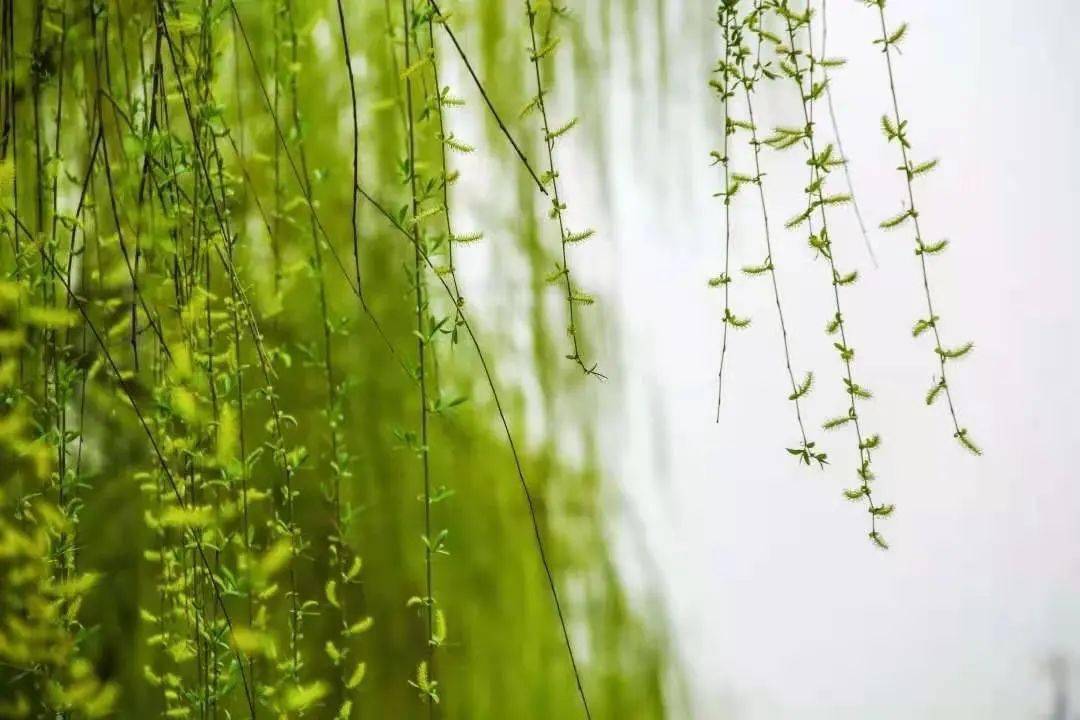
(780, 605)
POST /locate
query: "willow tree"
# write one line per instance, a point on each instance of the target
(257, 457)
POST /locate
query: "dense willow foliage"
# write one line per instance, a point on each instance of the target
(256, 457)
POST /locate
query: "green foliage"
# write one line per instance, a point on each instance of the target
(212, 432)
(41, 588)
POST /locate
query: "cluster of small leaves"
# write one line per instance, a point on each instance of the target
(41, 587)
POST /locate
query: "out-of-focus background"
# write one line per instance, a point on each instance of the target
(781, 607)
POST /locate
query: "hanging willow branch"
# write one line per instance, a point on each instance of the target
(801, 67)
(897, 133)
(749, 76)
(575, 298)
(727, 69)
